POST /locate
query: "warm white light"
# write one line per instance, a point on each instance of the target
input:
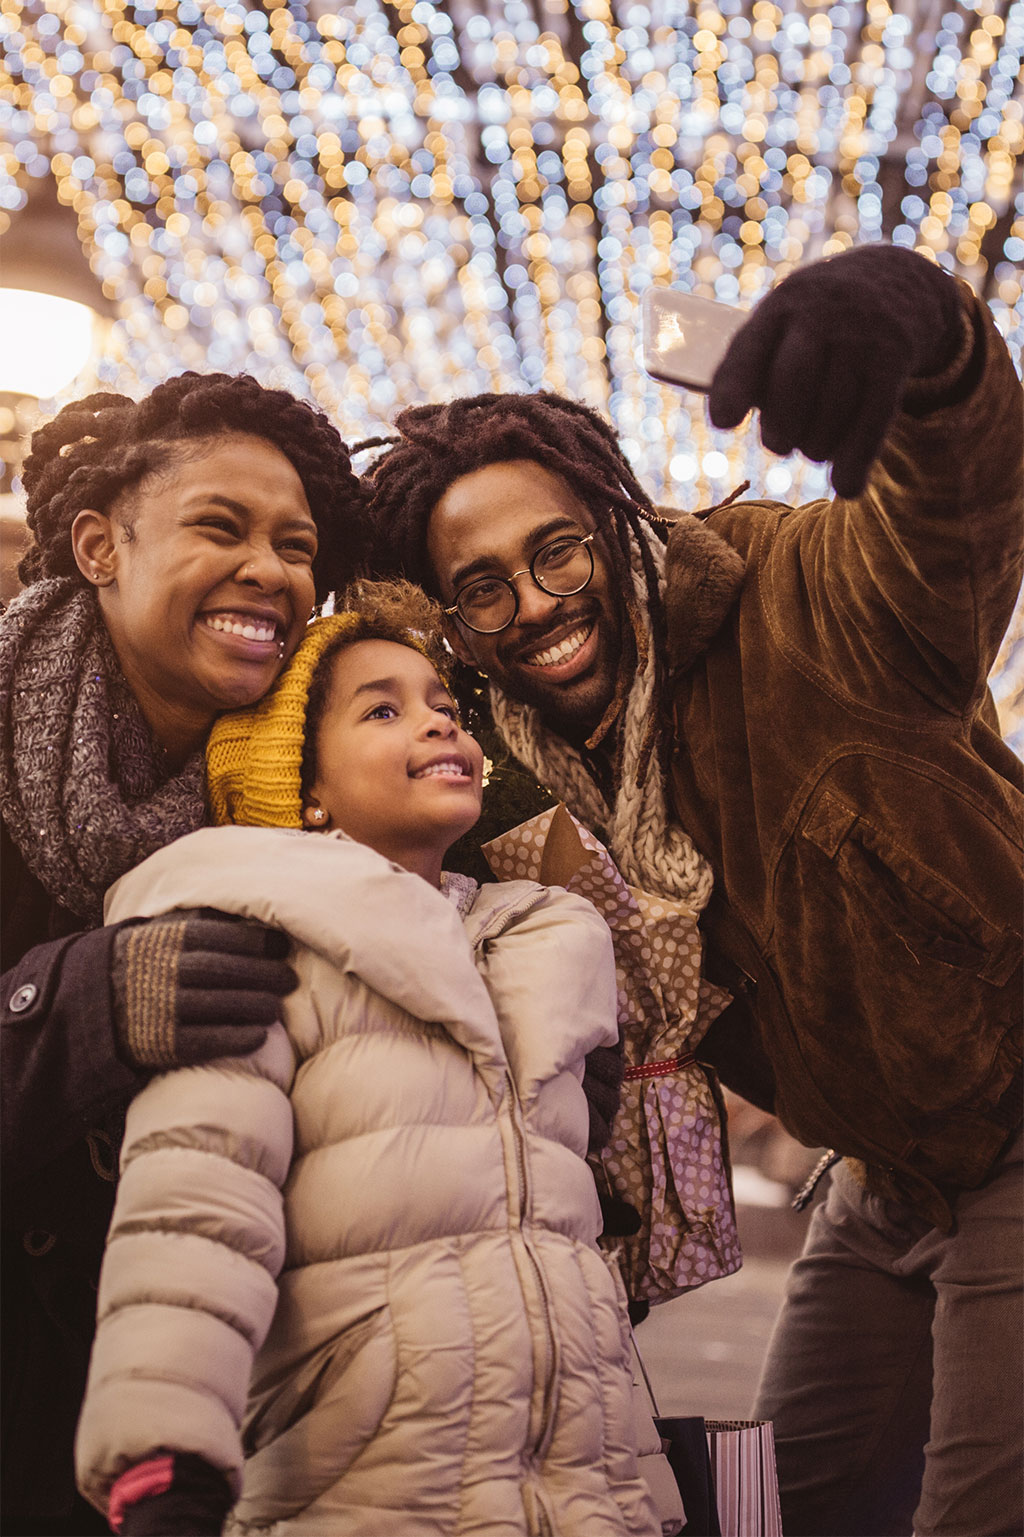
(779, 479)
(45, 342)
(683, 467)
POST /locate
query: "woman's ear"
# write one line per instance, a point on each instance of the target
(314, 817)
(95, 550)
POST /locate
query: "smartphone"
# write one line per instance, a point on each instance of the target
(685, 337)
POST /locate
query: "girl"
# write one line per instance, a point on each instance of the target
(448, 1352)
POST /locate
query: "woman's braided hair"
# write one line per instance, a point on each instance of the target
(438, 444)
(96, 448)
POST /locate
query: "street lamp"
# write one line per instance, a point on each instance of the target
(50, 301)
(48, 341)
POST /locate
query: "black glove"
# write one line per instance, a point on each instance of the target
(602, 1084)
(827, 355)
(196, 984)
(194, 1505)
(619, 1219)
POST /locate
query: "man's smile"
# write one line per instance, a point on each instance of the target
(559, 653)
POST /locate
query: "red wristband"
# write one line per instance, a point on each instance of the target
(663, 1069)
(154, 1476)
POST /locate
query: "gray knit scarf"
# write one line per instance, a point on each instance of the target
(84, 791)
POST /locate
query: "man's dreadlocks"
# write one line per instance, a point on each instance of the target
(97, 448)
(438, 444)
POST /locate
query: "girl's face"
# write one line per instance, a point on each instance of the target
(395, 770)
(205, 581)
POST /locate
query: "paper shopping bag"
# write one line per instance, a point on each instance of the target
(746, 1482)
(666, 1155)
(685, 1441)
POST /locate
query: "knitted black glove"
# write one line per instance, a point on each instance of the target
(602, 1084)
(196, 984)
(827, 355)
(194, 1505)
(619, 1219)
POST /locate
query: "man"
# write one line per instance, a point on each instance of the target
(781, 715)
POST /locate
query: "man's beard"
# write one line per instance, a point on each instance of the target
(572, 710)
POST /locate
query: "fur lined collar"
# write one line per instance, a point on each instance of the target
(703, 577)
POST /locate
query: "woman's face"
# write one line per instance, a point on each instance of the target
(394, 769)
(205, 580)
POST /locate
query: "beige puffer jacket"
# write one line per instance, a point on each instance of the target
(444, 1351)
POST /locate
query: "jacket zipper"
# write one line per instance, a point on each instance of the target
(496, 925)
(518, 1139)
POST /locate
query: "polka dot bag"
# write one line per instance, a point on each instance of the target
(666, 1155)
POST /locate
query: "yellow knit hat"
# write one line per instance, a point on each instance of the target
(254, 756)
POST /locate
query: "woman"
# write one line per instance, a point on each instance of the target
(179, 544)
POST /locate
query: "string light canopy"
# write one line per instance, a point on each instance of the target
(378, 203)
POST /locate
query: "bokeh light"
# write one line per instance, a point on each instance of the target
(374, 204)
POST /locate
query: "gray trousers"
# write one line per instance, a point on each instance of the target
(895, 1375)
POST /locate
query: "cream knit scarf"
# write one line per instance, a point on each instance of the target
(84, 792)
(651, 851)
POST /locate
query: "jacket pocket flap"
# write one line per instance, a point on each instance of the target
(829, 823)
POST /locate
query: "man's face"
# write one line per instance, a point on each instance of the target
(560, 654)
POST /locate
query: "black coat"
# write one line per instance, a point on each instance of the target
(64, 1092)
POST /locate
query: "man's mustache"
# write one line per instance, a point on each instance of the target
(549, 634)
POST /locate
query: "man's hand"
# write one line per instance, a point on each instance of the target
(827, 355)
(619, 1218)
(196, 984)
(603, 1068)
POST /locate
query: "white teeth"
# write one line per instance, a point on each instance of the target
(563, 651)
(441, 770)
(250, 629)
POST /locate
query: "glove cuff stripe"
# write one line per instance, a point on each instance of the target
(150, 992)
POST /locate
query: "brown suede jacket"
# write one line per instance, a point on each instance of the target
(837, 760)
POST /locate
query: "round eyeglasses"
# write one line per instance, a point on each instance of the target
(560, 568)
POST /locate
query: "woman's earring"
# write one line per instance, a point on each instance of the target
(315, 816)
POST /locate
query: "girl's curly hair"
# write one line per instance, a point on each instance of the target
(97, 448)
